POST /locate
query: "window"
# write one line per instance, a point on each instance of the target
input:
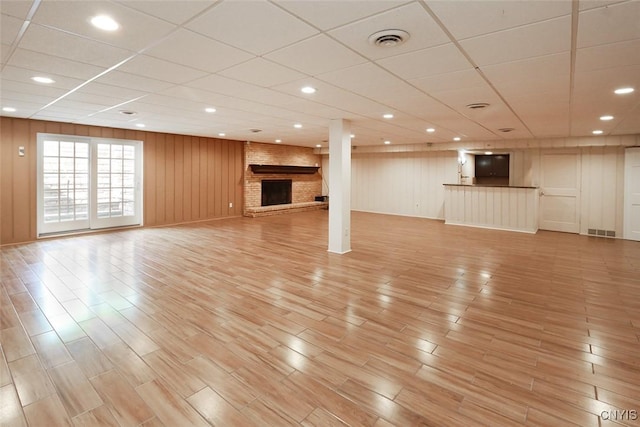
(88, 183)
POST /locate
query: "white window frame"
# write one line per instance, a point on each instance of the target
(93, 222)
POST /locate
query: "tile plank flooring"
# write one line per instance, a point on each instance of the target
(251, 322)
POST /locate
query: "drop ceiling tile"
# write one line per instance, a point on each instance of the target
(256, 27)
(546, 74)
(613, 55)
(331, 14)
(34, 99)
(181, 104)
(412, 18)
(133, 81)
(630, 125)
(359, 77)
(176, 12)
(64, 45)
(29, 88)
(427, 62)
(41, 62)
(137, 30)
(455, 80)
(553, 36)
(5, 50)
(17, 9)
(159, 69)
(196, 51)
(611, 24)
(9, 28)
(197, 95)
(118, 92)
(317, 55)
(56, 116)
(261, 72)
(24, 75)
(593, 4)
(224, 86)
(89, 98)
(465, 19)
(601, 83)
(332, 96)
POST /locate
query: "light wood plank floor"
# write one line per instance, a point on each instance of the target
(251, 322)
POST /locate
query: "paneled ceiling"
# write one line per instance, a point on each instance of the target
(546, 68)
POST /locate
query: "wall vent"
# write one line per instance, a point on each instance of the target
(601, 233)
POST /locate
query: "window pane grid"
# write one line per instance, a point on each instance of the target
(65, 170)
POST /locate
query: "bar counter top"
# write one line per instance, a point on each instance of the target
(490, 185)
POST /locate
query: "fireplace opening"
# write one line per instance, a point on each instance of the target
(276, 192)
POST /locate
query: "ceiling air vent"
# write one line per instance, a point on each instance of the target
(128, 112)
(388, 38)
(255, 130)
(477, 105)
(506, 130)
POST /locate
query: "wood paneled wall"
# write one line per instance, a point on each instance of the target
(185, 179)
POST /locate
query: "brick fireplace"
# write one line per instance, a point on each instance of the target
(304, 187)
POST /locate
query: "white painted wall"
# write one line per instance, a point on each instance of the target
(410, 182)
(402, 183)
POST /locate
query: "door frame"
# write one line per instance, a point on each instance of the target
(626, 224)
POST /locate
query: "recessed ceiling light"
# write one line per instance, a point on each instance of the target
(623, 90)
(352, 136)
(140, 125)
(8, 109)
(457, 138)
(387, 142)
(221, 134)
(318, 145)
(431, 130)
(606, 118)
(297, 126)
(45, 80)
(210, 110)
(488, 153)
(388, 116)
(105, 23)
(597, 132)
(278, 141)
(308, 89)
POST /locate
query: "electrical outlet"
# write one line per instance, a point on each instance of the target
(230, 204)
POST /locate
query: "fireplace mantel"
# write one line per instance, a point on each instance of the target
(264, 169)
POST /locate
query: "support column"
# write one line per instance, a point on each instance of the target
(339, 186)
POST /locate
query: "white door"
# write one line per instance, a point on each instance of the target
(632, 194)
(560, 191)
(63, 184)
(88, 183)
(115, 195)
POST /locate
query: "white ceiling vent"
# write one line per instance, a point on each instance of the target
(388, 38)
